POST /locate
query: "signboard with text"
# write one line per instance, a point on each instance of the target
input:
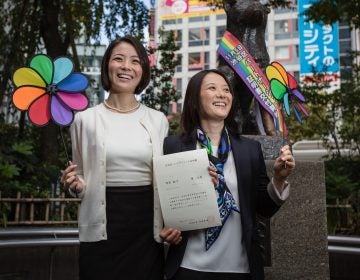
(319, 47)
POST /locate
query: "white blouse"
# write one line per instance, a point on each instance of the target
(128, 150)
(227, 253)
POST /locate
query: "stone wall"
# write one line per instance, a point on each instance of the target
(298, 230)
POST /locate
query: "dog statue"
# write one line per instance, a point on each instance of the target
(246, 20)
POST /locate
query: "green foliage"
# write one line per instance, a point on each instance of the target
(334, 115)
(323, 111)
(161, 91)
(330, 11)
(8, 170)
(342, 179)
(343, 195)
(20, 166)
(125, 17)
(22, 148)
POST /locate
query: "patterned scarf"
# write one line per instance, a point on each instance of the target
(225, 201)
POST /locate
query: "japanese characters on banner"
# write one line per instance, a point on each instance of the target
(319, 47)
(238, 57)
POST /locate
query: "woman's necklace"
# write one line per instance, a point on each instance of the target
(121, 110)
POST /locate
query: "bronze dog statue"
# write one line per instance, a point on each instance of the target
(246, 20)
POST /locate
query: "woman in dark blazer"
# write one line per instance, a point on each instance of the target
(230, 251)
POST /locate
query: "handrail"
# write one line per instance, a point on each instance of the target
(349, 240)
(39, 242)
(344, 245)
(38, 237)
(31, 232)
(343, 250)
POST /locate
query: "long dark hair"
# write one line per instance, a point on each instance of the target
(190, 115)
(144, 61)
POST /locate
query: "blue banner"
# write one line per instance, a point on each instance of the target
(319, 44)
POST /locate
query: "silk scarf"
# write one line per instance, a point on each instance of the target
(226, 202)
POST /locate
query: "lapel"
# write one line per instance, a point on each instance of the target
(242, 165)
(188, 145)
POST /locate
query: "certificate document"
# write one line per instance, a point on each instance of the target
(187, 195)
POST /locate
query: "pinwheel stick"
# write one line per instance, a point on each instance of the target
(284, 140)
(283, 143)
(66, 153)
(63, 141)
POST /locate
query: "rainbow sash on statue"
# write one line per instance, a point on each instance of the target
(238, 57)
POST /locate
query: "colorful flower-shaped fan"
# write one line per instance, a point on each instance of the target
(284, 88)
(50, 90)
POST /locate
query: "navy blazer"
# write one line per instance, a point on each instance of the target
(254, 199)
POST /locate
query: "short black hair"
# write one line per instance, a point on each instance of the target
(190, 118)
(144, 61)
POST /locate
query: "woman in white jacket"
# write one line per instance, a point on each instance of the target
(113, 145)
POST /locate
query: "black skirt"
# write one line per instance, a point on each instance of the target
(130, 252)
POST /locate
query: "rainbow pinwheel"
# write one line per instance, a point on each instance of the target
(50, 90)
(284, 88)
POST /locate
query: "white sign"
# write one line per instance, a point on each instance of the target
(187, 194)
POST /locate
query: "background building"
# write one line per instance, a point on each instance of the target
(198, 30)
(90, 57)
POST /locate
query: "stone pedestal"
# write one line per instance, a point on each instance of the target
(298, 233)
(298, 230)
